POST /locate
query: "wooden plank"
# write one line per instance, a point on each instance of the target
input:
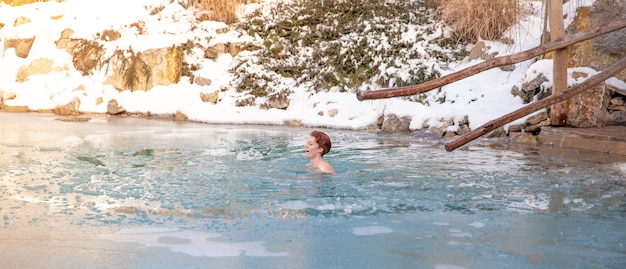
(607, 133)
(495, 62)
(610, 139)
(532, 107)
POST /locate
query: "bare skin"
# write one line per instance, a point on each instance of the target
(313, 152)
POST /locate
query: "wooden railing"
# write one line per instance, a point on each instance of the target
(558, 95)
(532, 107)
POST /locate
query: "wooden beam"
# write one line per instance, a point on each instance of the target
(530, 108)
(558, 111)
(495, 62)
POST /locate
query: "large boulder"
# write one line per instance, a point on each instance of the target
(22, 46)
(394, 124)
(131, 70)
(590, 109)
(71, 108)
(211, 97)
(603, 51)
(114, 108)
(38, 66)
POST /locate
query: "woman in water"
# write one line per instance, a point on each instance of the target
(315, 148)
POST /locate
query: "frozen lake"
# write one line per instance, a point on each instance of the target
(134, 193)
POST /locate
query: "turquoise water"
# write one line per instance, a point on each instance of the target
(129, 193)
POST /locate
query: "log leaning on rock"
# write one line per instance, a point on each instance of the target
(530, 108)
(495, 62)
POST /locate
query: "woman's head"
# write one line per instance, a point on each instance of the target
(323, 140)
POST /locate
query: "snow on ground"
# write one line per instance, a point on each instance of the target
(482, 97)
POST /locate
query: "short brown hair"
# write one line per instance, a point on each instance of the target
(323, 140)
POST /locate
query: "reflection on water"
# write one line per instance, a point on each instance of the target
(243, 192)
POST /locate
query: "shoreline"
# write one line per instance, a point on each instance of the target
(613, 140)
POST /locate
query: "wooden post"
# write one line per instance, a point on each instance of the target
(558, 112)
(532, 107)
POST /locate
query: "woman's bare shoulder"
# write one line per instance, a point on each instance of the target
(326, 167)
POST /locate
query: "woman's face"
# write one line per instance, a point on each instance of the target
(311, 148)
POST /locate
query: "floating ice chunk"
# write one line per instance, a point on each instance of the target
(448, 266)
(326, 207)
(457, 243)
(371, 230)
(397, 184)
(477, 224)
(459, 233)
(218, 152)
(248, 155)
(190, 242)
(347, 210)
(295, 205)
